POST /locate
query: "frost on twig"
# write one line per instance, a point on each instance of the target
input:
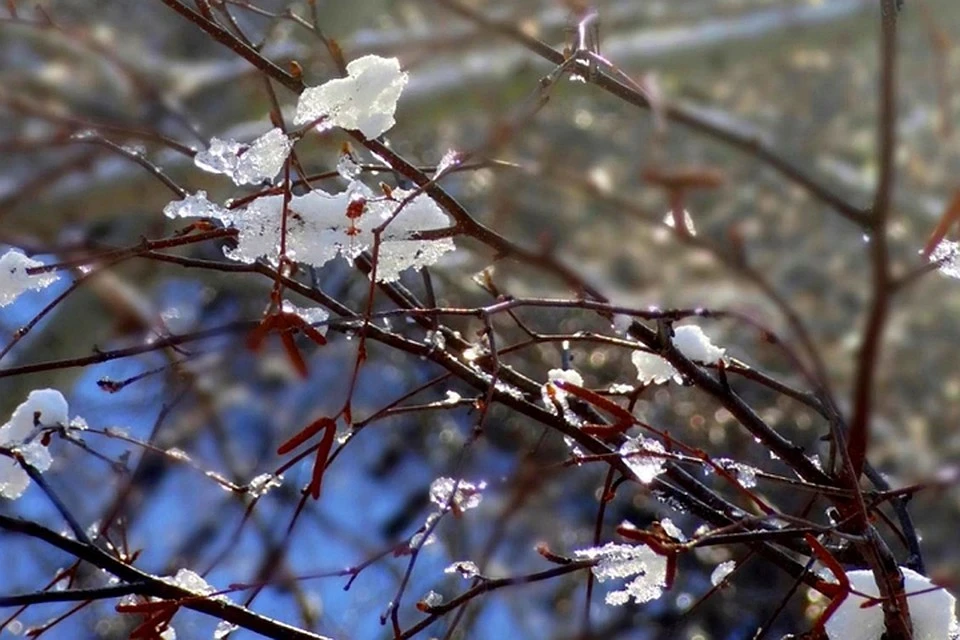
(196, 205)
(946, 256)
(44, 407)
(468, 494)
(932, 611)
(14, 279)
(365, 100)
(621, 561)
(691, 342)
(246, 164)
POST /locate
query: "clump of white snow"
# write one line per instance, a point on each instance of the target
(932, 613)
(14, 279)
(246, 164)
(322, 226)
(365, 100)
(552, 395)
(43, 407)
(691, 341)
(621, 561)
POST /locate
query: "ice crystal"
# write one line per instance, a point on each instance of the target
(947, 256)
(468, 495)
(932, 613)
(365, 100)
(247, 164)
(197, 205)
(46, 407)
(432, 599)
(14, 279)
(722, 571)
(465, 568)
(636, 452)
(190, 581)
(693, 343)
(263, 483)
(621, 561)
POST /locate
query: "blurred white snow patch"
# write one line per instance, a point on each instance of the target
(468, 495)
(552, 395)
(14, 278)
(246, 164)
(190, 581)
(224, 629)
(263, 483)
(947, 257)
(310, 315)
(723, 570)
(688, 226)
(45, 407)
(621, 561)
(365, 100)
(933, 613)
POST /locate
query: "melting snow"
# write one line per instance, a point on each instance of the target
(620, 561)
(45, 407)
(247, 164)
(365, 100)
(932, 613)
(14, 278)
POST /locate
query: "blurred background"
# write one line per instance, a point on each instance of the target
(799, 76)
